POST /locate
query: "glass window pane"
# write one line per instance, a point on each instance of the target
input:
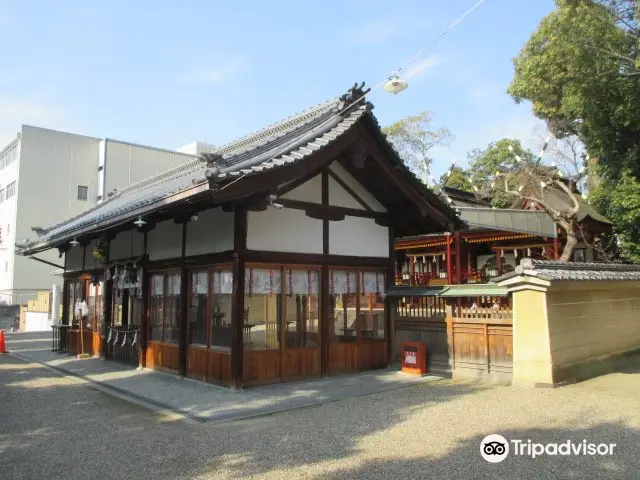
(171, 332)
(372, 305)
(156, 307)
(221, 308)
(301, 308)
(262, 309)
(197, 329)
(343, 293)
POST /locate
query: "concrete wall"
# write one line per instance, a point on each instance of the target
(52, 166)
(566, 331)
(589, 322)
(127, 163)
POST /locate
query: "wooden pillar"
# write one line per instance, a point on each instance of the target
(184, 308)
(388, 304)
(144, 320)
(107, 298)
(449, 263)
(412, 270)
(556, 248)
(325, 301)
(237, 296)
(65, 303)
(458, 246)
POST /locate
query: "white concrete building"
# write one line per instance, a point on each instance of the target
(48, 176)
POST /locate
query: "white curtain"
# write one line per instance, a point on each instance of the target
(301, 282)
(174, 284)
(200, 283)
(372, 282)
(343, 282)
(157, 285)
(262, 281)
(222, 281)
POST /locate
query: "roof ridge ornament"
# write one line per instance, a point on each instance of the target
(212, 161)
(355, 96)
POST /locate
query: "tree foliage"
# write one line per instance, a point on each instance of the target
(458, 178)
(580, 70)
(501, 156)
(414, 137)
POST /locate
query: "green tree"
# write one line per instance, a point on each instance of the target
(501, 156)
(459, 178)
(414, 137)
(580, 71)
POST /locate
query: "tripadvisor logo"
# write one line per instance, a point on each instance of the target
(495, 448)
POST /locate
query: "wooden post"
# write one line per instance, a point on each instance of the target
(237, 296)
(388, 304)
(144, 320)
(65, 303)
(184, 306)
(486, 346)
(449, 264)
(325, 303)
(458, 247)
(556, 248)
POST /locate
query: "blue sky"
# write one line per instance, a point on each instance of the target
(166, 73)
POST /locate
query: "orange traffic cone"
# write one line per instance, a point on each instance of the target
(3, 348)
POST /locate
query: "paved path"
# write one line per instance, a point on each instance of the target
(56, 427)
(199, 401)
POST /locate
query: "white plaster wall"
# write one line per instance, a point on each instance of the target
(339, 197)
(356, 186)
(165, 241)
(213, 232)
(37, 322)
(310, 191)
(74, 258)
(52, 165)
(129, 244)
(126, 163)
(285, 230)
(358, 237)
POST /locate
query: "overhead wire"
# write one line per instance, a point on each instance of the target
(404, 65)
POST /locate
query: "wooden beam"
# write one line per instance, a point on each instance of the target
(331, 209)
(350, 191)
(237, 296)
(290, 258)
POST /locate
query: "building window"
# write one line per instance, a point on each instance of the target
(11, 190)
(210, 308)
(262, 312)
(83, 192)
(301, 307)
(357, 308)
(164, 308)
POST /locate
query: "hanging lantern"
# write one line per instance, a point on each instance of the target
(395, 85)
(515, 253)
(501, 253)
(528, 252)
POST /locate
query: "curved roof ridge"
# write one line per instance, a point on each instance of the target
(287, 123)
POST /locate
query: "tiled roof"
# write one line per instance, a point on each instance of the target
(283, 143)
(553, 270)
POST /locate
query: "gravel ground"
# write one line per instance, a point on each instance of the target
(55, 427)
